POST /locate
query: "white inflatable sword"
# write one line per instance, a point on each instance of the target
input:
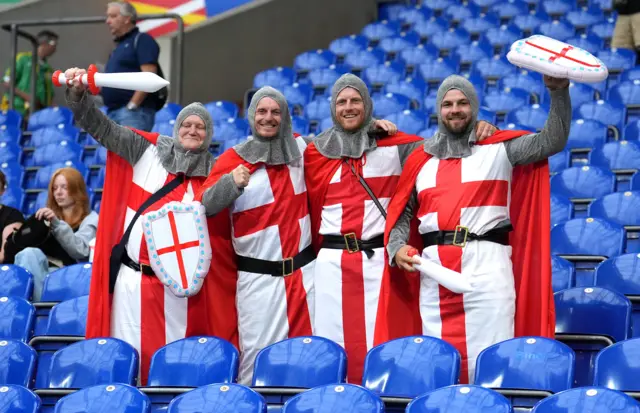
(449, 279)
(143, 81)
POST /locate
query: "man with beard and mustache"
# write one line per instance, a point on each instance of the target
(348, 220)
(482, 209)
(266, 234)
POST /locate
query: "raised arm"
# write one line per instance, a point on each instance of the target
(118, 139)
(226, 190)
(553, 137)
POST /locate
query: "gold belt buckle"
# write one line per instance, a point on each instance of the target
(351, 235)
(286, 273)
(460, 228)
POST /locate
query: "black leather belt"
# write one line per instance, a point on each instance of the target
(277, 268)
(352, 244)
(461, 235)
(145, 269)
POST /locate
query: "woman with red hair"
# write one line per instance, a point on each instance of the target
(73, 225)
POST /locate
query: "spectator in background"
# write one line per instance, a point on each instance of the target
(73, 225)
(627, 31)
(47, 43)
(10, 218)
(134, 52)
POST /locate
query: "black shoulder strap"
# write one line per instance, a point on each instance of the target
(368, 189)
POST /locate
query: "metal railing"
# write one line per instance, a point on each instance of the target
(14, 28)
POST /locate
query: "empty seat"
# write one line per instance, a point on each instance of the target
(561, 209)
(163, 128)
(616, 367)
(502, 101)
(529, 22)
(67, 282)
(623, 208)
(379, 30)
(557, 29)
(509, 9)
(388, 103)
(117, 398)
(583, 182)
(168, 112)
(16, 318)
(219, 398)
(559, 161)
(10, 152)
(69, 318)
(451, 38)
(193, 362)
(479, 24)
(56, 152)
(17, 363)
(44, 174)
(50, 117)
(586, 133)
(321, 78)
(557, 7)
(10, 134)
(11, 118)
(18, 399)
(300, 362)
(438, 5)
(409, 121)
(300, 125)
(314, 59)
(503, 36)
(298, 94)
(412, 15)
(533, 117)
(13, 172)
(348, 44)
(430, 28)
(617, 60)
(221, 110)
(563, 274)
(318, 109)
(494, 68)
(628, 94)
(410, 366)
(232, 128)
(588, 399)
(472, 52)
(411, 87)
(387, 72)
(394, 44)
(415, 56)
(437, 70)
(54, 134)
(335, 398)
(276, 77)
(16, 281)
(525, 80)
(13, 197)
(588, 42)
(365, 58)
(588, 237)
(460, 12)
(453, 399)
(585, 16)
(604, 30)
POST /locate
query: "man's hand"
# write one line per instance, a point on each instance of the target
(241, 176)
(554, 83)
(75, 73)
(484, 130)
(45, 213)
(404, 261)
(386, 125)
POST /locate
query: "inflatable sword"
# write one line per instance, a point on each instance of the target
(449, 279)
(143, 81)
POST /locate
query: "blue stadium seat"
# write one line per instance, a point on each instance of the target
(13, 172)
(588, 237)
(335, 398)
(628, 94)
(501, 38)
(17, 363)
(50, 117)
(469, 53)
(10, 134)
(10, 152)
(450, 39)
(325, 124)
(559, 161)
(438, 5)
(583, 182)
(428, 29)
(630, 75)
(13, 197)
(165, 128)
(54, 134)
(558, 7)
(617, 60)
(429, 132)
(622, 208)
(348, 44)
(632, 131)
(609, 113)
(277, 77)
(511, 126)
(561, 209)
(509, 9)
(380, 75)
(589, 319)
(412, 87)
(16, 281)
(585, 16)
(364, 58)
(502, 101)
(44, 174)
(300, 125)
(67, 283)
(617, 155)
(219, 398)
(56, 152)
(410, 366)
(563, 274)
(484, 4)
(529, 22)
(588, 42)
(168, 112)
(437, 70)
(470, 399)
(388, 103)
(557, 29)
(16, 318)
(525, 80)
(314, 59)
(322, 78)
(588, 399)
(194, 361)
(18, 399)
(318, 109)
(409, 121)
(11, 118)
(298, 94)
(390, 11)
(604, 30)
(395, 44)
(98, 182)
(479, 24)
(616, 367)
(586, 133)
(526, 363)
(116, 398)
(92, 362)
(460, 12)
(30, 207)
(412, 15)
(494, 68)
(533, 116)
(302, 362)
(232, 128)
(69, 317)
(415, 56)
(379, 30)
(429, 103)
(221, 110)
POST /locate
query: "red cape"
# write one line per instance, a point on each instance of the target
(530, 241)
(318, 171)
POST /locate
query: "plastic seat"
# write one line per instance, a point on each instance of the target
(598, 316)
(365, 58)
(44, 174)
(10, 152)
(409, 121)
(395, 44)
(67, 282)
(348, 44)
(533, 116)
(460, 398)
(525, 80)
(314, 59)
(503, 36)
(583, 182)
(69, 318)
(502, 101)
(385, 73)
(429, 132)
(451, 38)
(494, 68)
(168, 112)
(163, 128)
(118, 398)
(379, 30)
(588, 237)
(526, 363)
(415, 56)
(586, 133)
(276, 77)
(40, 202)
(603, 30)
(57, 152)
(589, 42)
(529, 21)
(325, 124)
(461, 12)
(561, 209)
(100, 157)
(17, 363)
(430, 28)
(16, 281)
(412, 15)
(298, 94)
(335, 398)
(13, 172)
(13, 197)
(557, 29)
(193, 362)
(11, 118)
(18, 399)
(617, 155)
(617, 60)
(559, 161)
(50, 117)
(616, 366)
(232, 128)
(388, 103)
(585, 16)
(473, 52)
(563, 274)
(509, 9)
(10, 134)
(557, 7)
(221, 110)
(318, 109)
(632, 130)
(630, 75)
(410, 366)
(320, 78)
(479, 24)
(588, 399)
(302, 362)
(219, 398)
(92, 362)
(438, 5)
(54, 134)
(411, 87)
(300, 125)
(16, 318)
(606, 112)
(437, 70)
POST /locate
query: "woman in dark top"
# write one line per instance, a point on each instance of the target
(10, 218)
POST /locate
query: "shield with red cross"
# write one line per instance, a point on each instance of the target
(179, 249)
(558, 59)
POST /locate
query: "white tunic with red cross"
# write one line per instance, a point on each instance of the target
(473, 192)
(270, 221)
(348, 284)
(145, 313)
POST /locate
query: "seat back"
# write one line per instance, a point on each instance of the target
(506, 100)
(50, 117)
(616, 367)
(117, 398)
(16, 281)
(300, 362)
(409, 121)
(17, 363)
(11, 118)
(561, 209)
(67, 283)
(623, 208)
(18, 399)
(621, 274)
(194, 361)
(56, 152)
(564, 273)
(16, 318)
(335, 398)
(460, 398)
(69, 318)
(222, 109)
(168, 112)
(410, 366)
(10, 134)
(588, 399)
(532, 363)
(219, 398)
(583, 182)
(92, 362)
(588, 236)
(587, 133)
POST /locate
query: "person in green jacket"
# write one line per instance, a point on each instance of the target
(47, 43)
